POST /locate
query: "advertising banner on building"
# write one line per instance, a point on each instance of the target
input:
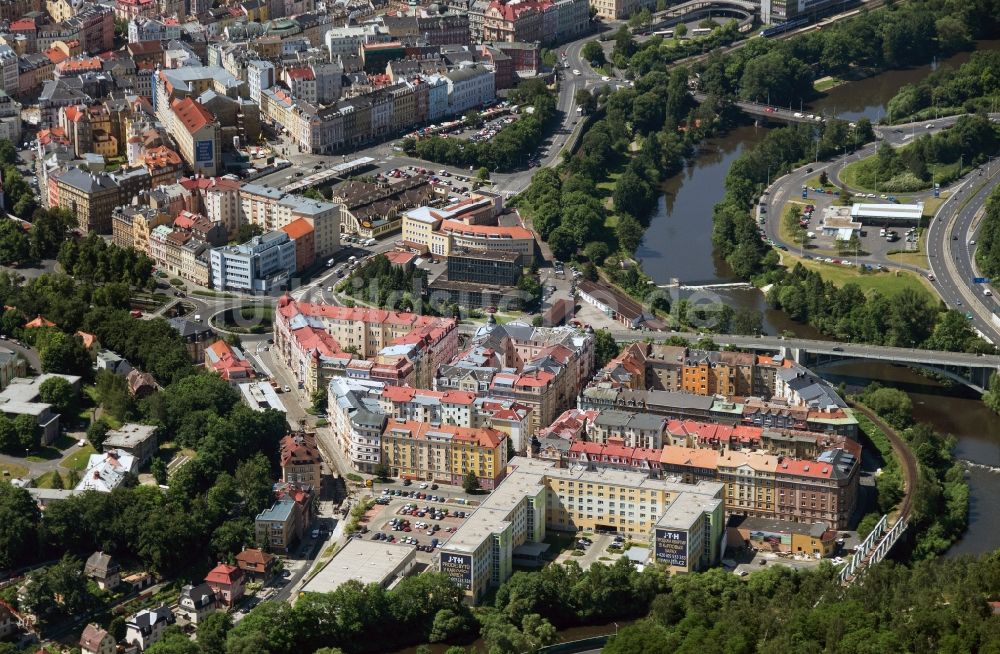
(458, 568)
(203, 151)
(672, 547)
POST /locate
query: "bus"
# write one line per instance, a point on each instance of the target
(701, 31)
(667, 34)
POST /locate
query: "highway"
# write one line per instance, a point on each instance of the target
(951, 254)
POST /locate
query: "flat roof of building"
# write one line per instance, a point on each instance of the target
(370, 562)
(894, 211)
(261, 396)
(686, 510)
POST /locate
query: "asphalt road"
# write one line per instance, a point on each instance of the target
(951, 253)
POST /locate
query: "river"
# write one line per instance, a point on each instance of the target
(678, 246)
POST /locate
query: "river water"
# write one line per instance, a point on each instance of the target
(678, 246)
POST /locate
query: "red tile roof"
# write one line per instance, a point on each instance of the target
(192, 115)
(223, 574)
(298, 228)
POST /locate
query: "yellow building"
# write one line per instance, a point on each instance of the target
(749, 482)
(60, 10)
(444, 453)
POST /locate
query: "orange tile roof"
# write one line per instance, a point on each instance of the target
(460, 228)
(224, 574)
(40, 321)
(481, 436)
(191, 114)
(160, 157)
(400, 258)
(88, 339)
(84, 65)
(298, 228)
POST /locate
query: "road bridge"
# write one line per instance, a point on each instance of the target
(771, 112)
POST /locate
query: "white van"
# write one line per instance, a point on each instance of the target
(987, 292)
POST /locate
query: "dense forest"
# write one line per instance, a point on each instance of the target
(988, 249)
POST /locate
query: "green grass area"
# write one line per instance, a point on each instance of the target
(917, 257)
(78, 460)
(886, 283)
(45, 481)
(938, 172)
(827, 83)
(9, 471)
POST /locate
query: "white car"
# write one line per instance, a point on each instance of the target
(798, 115)
(286, 388)
(576, 72)
(605, 78)
(422, 486)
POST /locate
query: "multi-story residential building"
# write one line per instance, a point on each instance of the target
(619, 9)
(470, 86)
(147, 626)
(218, 198)
(273, 209)
(644, 430)
(260, 77)
(444, 453)
(278, 528)
(302, 83)
(95, 640)
(263, 264)
(328, 78)
(196, 132)
(357, 420)
(514, 21)
(313, 339)
(347, 41)
(300, 460)
(541, 368)
(91, 197)
(774, 12)
(684, 522)
(302, 234)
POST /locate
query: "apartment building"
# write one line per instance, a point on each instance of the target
(196, 132)
(444, 453)
(91, 197)
(470, 86)
(301, 462)
(643, 430)
(537, 496)
(389, 346)
(273, 209)
(539, 367)
(218, 199)
(620, 9)
(357, 420)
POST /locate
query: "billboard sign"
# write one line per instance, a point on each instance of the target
(204, 151)
(458, 568)
(672, 547)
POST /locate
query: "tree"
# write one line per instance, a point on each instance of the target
(562, 243)
(97, 431)
(212, 632)
(824, 179)
(586, 101)
(28, 433)
(19, 522)
(174, 641)
(248, 231)
(159, 471)
(680, 30)
(606, 348)
(893, 405)
(470, 483)
(593, 52)
(629, 233)
(59, 393)
(319, 401)
(65, 354)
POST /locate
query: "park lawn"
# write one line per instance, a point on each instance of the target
(78, 460)
(12, 470)
(886, 283)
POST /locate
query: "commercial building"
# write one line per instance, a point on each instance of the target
(365, 561)
(888, 215)
(261, 396)
(437, 236)
(393, 347)
(770, 535)
(538, 495)
(262, 265)
(613, 303)
(484, 267)
(444, 453)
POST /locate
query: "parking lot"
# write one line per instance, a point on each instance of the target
(424, 522)
(874, 243)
